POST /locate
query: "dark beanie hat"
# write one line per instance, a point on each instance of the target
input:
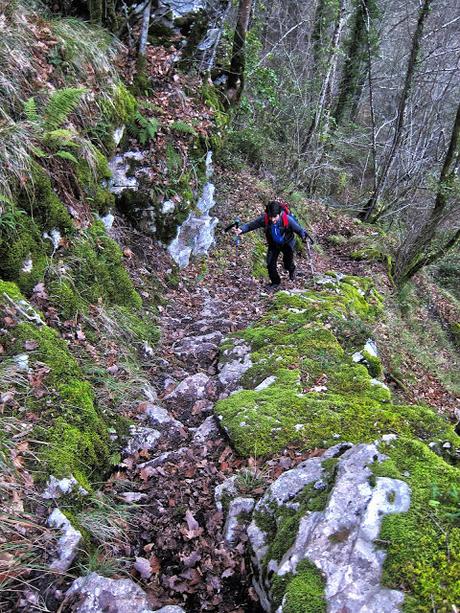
(273, 208)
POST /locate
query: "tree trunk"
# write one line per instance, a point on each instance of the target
(398, 131)
(235, 83)
(145, 29)
(417, 251)
(324, 103)
(325, 14)
(354, 70)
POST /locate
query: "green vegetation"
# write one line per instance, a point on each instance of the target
(423, 544)
(95, 266)
(422, 340)
(305, 592)
(75, 435)
(319, 393)
(320, 397)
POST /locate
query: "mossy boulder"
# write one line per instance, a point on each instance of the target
(310, 394)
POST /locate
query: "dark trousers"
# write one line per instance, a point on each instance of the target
(272, 259)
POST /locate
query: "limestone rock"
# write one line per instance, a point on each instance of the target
(226, 488)
(142, 438)
(93, 594)
(234, 363)
(161, 419)
(55, 488)
(265, 383)
(68, 543)
(208, 429)
(338, 540)
(203, 348)
(239, 508)
(192, 388)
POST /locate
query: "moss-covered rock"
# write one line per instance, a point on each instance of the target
(423, 545)
(316, 396)
(98, 271)
(90, 176)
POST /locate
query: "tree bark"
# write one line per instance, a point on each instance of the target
(145, 29)
(354, 70)
(418, 252)
(235, 82)
(324, 103)
(372, 203)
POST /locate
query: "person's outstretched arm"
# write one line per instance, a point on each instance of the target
(258, 222)
(297, 228)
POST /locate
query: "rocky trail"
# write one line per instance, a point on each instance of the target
(188, 552)
(189, 496)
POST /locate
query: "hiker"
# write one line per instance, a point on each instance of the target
(280, 227)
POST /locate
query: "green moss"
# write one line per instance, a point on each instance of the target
(141, 83)
(423, 551)
(124, 105)
(10, 289)
(373, 364)
(76, 437)
(318, 393)
(90, 176)
(319, 397)
(64, 297)
(305, 592)
(44, 205)
(99, 272)
(26, 243)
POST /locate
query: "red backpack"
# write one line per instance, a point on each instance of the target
(284, 213)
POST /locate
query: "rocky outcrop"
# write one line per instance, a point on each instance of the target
(339, 539)
(93, 594)
(320, 534)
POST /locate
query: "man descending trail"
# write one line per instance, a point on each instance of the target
(280, 227)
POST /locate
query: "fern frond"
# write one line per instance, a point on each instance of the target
(152, 127)
(66, 155)
(38, 152)
(60, 105)
(30, 110)
(183, 127)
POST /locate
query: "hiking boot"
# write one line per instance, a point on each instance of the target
(272, 286)
(292, 274)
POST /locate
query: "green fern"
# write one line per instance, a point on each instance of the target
(38, 152)
(60, 105)
(66, 155)
(145, 128)
(60, 138)
(184, 128)
(30, 110)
